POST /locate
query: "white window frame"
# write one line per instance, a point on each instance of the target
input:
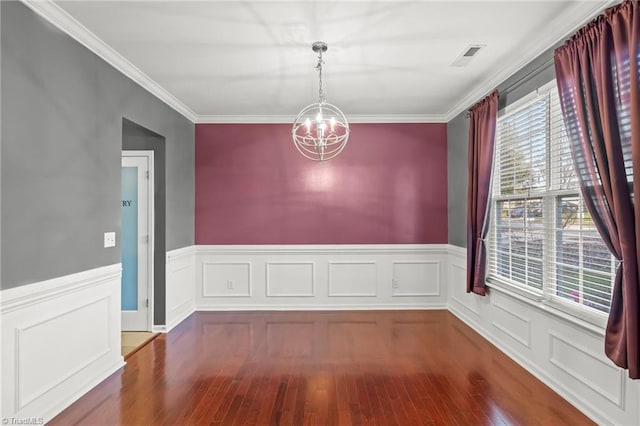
(545, 298)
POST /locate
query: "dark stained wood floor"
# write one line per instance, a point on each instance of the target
(317, 368)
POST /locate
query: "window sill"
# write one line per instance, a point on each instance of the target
(592, 322)
(514, 291)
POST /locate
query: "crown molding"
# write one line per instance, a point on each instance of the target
(58, 17)
(353, 119)
(245, 119)
(397, 118)
(559, 28)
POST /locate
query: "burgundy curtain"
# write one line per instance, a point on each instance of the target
(482, 132)
(597, 75)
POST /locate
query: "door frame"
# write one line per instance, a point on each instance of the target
(148, 154)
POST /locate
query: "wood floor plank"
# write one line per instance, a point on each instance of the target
(321, 368)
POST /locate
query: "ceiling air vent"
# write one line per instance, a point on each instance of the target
(468, 54)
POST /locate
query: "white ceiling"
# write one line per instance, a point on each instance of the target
(251, 61)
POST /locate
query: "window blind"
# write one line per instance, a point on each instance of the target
(541, 236)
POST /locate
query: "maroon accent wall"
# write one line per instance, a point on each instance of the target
(388, 186)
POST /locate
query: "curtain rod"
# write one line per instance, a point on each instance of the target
(528, 75)
(523, 79)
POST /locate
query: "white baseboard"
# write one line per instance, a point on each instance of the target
(60, 338)
(525, 333)
(360, 307)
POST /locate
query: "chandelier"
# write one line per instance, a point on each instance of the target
(321, 130)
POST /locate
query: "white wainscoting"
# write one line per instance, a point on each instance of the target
(566, 355)
(180, 281)
(60, 338)
(320, 277)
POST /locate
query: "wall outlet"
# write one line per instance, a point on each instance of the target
(395, 283)
(230, 284)
(109, 239)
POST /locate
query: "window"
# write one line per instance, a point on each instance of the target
(542, 237)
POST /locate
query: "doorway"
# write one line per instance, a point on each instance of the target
(138, 138)
(137, 213)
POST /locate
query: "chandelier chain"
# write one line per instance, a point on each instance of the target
(321, 97)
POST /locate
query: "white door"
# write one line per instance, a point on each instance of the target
(135, 240)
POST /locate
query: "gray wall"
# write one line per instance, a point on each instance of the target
(62, 111)
(135, 137)
(457, 148)
(535, 74)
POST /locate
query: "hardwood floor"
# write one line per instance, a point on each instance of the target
(317, 368)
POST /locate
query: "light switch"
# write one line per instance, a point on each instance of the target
(109, 239)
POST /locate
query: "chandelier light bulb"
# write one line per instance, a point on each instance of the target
(330, 135)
